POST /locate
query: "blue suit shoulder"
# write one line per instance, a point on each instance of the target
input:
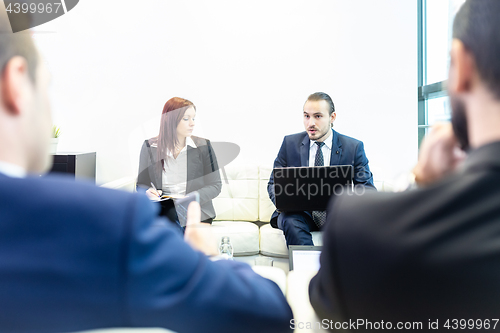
(62, 198)
(347, 139)
(297, 137)
(65, 189)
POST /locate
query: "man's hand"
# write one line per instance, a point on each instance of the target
(199, 235)
(439, 155)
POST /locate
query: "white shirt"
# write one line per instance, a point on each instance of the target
(326, 150)
(174, 177)
(12, 170)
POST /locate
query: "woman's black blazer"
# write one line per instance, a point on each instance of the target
(202, 172)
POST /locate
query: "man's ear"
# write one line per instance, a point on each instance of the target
(461, 69)
(14, 80)
(333, 116)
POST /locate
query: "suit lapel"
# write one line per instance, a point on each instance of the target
(336, 154)
(155, 169)
(194, 166)
(304, 151)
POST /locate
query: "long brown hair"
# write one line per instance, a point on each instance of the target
(173, 111)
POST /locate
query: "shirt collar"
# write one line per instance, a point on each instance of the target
(12, 170)
(189, 142)
(328, 142)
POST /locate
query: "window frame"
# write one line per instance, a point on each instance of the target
(425, 92)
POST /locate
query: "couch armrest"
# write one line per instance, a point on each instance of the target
(124, 184)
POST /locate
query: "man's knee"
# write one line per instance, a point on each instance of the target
(293, 220)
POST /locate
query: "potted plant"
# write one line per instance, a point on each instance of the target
(56, 132)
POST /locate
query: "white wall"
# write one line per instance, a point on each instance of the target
(247, 65)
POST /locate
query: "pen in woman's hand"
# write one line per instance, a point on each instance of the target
(154, 187)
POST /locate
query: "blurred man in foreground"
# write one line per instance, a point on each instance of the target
(76, 257)
(430, 256)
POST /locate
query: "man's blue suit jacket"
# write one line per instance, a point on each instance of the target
(76, 257)
(294, 152)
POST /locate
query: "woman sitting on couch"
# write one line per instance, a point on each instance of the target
(178, 163)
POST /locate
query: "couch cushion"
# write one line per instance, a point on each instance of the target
(272, 241)
(266, 206)
(317, 238)
(239, 198)
(236, 209)
(244, 236)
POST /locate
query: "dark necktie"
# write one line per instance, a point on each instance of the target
(319, 217)
(319, 161)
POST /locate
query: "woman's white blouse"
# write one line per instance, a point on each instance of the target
(174, 177)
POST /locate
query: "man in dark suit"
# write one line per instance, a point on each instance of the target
(76, 257)
(431, 255)
(320, 145)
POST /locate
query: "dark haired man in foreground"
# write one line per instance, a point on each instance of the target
(76, 257)
(319, 145)
(432, 254)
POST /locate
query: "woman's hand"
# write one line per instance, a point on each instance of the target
(153, 195)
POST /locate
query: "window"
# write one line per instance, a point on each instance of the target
(435, 26)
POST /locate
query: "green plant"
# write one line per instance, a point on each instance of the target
(56, 132)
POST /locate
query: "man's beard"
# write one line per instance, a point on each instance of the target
(459, 122)
(319, 136)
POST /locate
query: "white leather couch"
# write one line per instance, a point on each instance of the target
(242, 206)
(243, 211)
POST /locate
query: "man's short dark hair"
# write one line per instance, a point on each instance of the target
(477, 25)
(321, 96)
(17, 44)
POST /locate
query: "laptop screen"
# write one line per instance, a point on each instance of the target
(310, 188)
(304, 258)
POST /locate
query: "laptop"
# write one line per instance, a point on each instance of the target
(304, 257)
(310, 188)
